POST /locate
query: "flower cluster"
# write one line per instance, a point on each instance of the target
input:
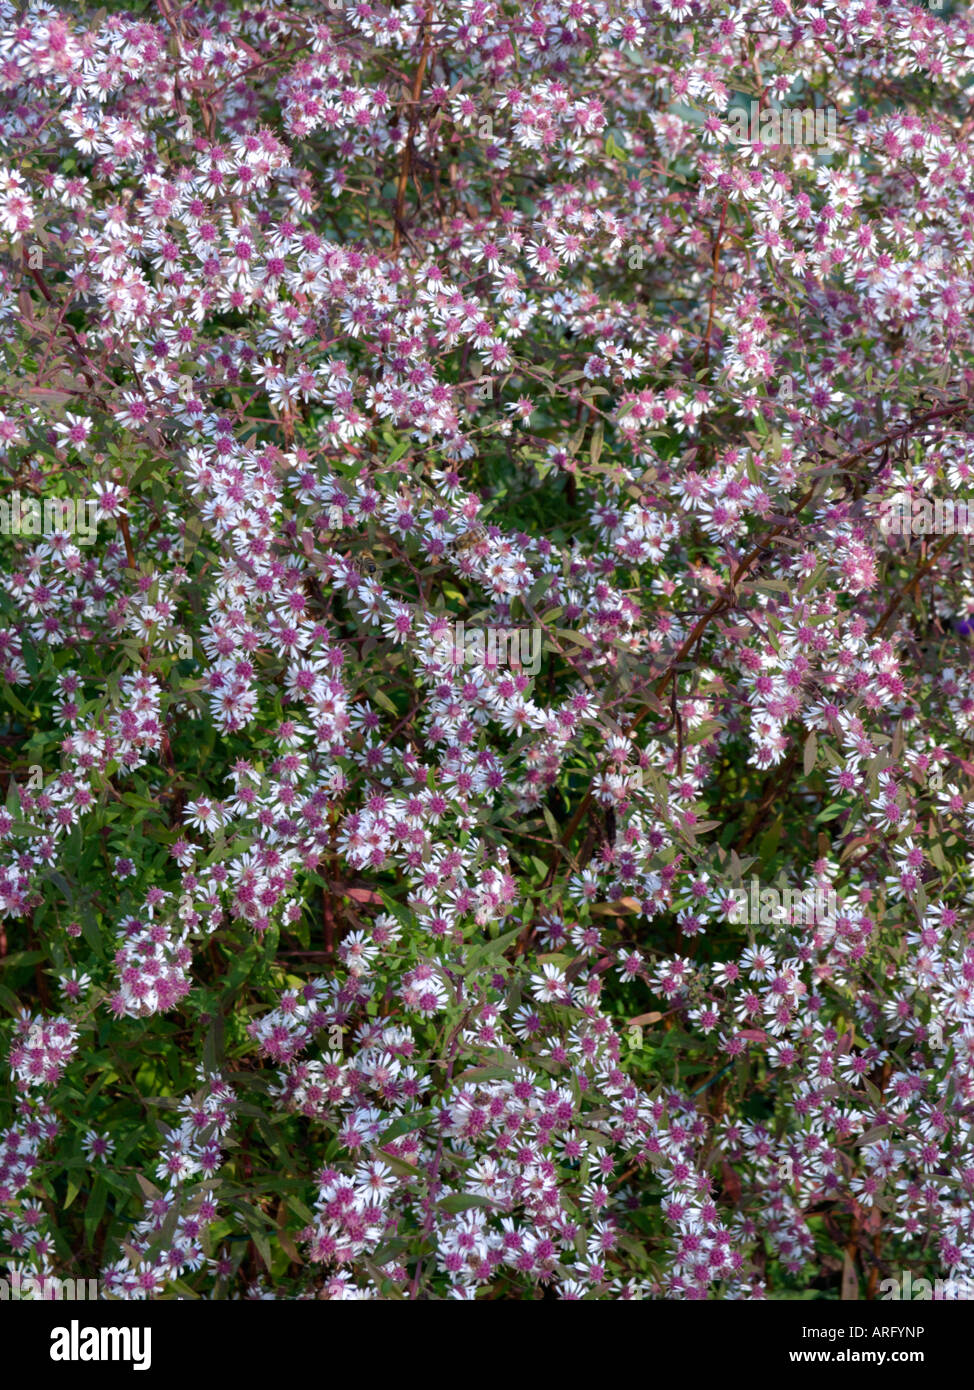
(352, 323)
(42, 1049)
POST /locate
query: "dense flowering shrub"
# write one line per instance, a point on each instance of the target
(345, 959)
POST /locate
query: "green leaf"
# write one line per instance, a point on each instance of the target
(463, 1201)
(405, 1125)
(94, 1209)
(598, 439)
(811, 752)
(12, 699)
